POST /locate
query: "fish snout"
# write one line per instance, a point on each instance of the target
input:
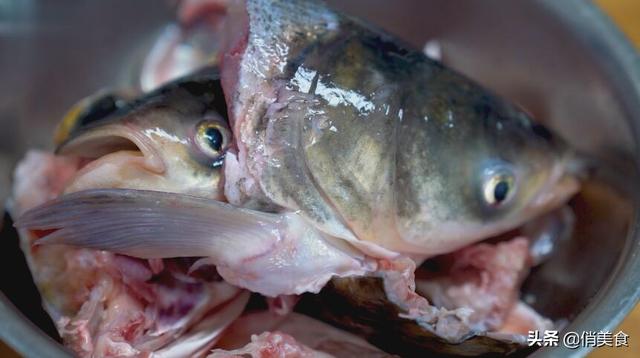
(563, 182)
(114, 156)
(102, 141)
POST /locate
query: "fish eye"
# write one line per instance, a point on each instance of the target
(212, 138)
(498, 188)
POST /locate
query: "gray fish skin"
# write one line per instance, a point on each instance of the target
(375, 143)
(156, 141)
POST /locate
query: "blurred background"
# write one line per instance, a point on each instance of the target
(626, 13)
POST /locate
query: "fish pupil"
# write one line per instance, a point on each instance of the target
(500, 191)
(214, 138)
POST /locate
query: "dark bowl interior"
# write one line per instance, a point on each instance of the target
(562, 61)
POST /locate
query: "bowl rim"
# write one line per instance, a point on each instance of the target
(620, 60)
(24, 337)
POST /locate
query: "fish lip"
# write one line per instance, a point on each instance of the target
(563, 183)
(556, 192)
(97, 142)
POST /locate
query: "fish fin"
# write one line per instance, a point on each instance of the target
(272, 254)
(153, 224)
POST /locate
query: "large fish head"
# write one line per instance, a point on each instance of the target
(370, 140)
(173, 139)
(471, 166)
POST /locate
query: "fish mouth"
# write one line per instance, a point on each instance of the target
(99, 143)
(559, 190)
(112, 156)
(563, 182)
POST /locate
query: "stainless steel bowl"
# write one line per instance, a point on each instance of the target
(562, 60)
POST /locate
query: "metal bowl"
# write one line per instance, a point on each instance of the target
(561, 60)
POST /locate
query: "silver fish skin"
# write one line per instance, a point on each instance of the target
(372, 141)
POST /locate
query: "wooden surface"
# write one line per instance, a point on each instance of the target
(626, 13)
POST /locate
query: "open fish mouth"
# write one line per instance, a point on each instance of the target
(111, 139)
(77, 137)
(113, 156)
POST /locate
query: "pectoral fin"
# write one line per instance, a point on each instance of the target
(151, 224)
(273, 254)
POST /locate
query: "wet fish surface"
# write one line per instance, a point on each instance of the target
(315, 155)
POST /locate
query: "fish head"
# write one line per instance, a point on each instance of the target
(471, 166)
(173, 139)
(373, 142)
